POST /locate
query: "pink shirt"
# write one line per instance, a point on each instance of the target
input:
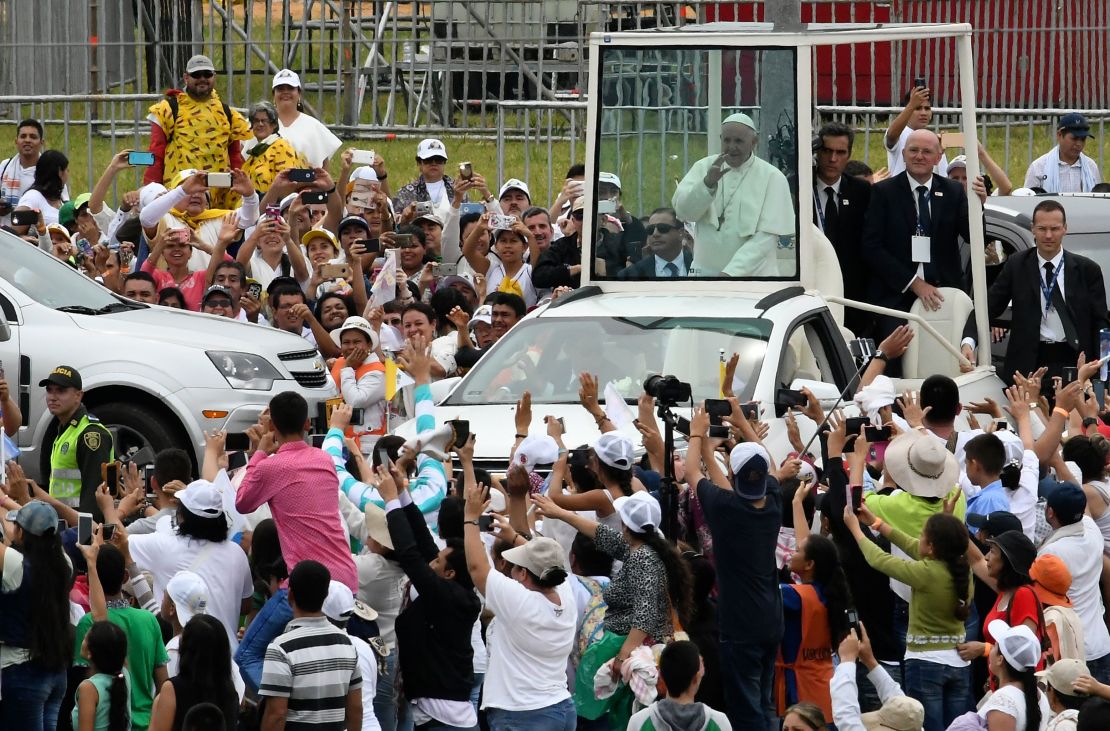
(192, 288)
(302, 489)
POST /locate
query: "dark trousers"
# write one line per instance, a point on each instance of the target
(748, 676)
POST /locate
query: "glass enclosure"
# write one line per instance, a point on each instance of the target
(697, 164)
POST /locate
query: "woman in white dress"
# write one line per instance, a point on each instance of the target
(308, 135)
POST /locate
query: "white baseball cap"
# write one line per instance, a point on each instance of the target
(431, 148)
(286, 77)
(340, 602)
(364, 173)
(615, 450)
(189, 594)
(149, 192)
(535, 449)
(1018, 644)
(517, 184)
(483, 314)
(639, 511)
(610, 178)
(959, 161)
(202, 498)
(750, 463)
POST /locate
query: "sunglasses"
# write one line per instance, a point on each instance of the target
(202, 74)
(577, 215)
(435, 161)
(261, 120)
(663, 228)
(217, 303)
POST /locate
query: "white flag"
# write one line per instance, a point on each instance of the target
(616, 408)
(384, 288)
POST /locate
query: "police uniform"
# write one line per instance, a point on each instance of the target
(73, 452)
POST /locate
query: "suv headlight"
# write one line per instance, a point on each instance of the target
(244, 370)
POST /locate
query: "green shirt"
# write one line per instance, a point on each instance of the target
(933, 622)
(908, 513)
(145, 652)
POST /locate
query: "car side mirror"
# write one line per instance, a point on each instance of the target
(5, 329)
(827, 393)
(442, 388)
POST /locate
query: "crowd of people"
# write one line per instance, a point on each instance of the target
(942, 566)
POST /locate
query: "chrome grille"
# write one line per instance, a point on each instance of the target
(311, 379)
(299, 355)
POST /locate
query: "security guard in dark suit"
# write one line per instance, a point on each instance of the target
(76, 443)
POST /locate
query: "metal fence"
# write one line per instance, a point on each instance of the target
(457, 67)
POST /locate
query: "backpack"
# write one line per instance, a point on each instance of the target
(171, 99)
(1065, 633)
(593, 617)
(1042, 627)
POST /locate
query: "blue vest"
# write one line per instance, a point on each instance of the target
(15, 608)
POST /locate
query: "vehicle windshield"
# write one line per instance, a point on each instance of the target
(546, 355)
(47, 280)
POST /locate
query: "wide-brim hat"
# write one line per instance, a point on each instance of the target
(920, 465)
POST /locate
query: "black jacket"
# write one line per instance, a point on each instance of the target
(433, 632)
(1019, 287)
(847, 236)
(891, 222)
(553, 268)
(645, 268)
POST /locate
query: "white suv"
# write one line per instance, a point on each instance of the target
(156, 376)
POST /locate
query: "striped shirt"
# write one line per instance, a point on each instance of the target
(314, 665)
(428, 488)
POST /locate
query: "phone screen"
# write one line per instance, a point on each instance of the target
(485, 523)
(108, 531)
(237, 441)
(857, 497)
(84, 528)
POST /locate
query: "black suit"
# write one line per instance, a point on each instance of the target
(645, 268)
(1019, 287)
(846, 235)
(891, 222)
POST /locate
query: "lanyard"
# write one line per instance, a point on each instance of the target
(1048, 288)
(817, 205)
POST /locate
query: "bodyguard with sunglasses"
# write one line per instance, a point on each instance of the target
(665, 257)
(194, 129)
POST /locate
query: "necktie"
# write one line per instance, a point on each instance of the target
(832, 212)
(1057, 302)
(671, 269)
(924, 220)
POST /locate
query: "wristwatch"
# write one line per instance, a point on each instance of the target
(880, 355)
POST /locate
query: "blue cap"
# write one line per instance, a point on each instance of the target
(1068, 501)
(1076, 124)
(36, 517)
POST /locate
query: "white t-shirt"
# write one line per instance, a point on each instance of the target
(443, 350)
(437, 191)
(223, 566)
(368, 666)
(15, 179)
(1009, 699)
(35, 199)
(311, 138)
(896, 163)
(523, 278)
(528, 652)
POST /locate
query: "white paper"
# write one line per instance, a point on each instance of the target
(616, 409)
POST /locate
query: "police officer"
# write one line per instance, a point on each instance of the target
(76, 443)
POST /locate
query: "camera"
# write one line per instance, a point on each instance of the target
(667, 390)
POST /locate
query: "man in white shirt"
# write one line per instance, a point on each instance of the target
(670, 259)
(1077, 541)
(17, 173)
(1064, 168)
(917, 114)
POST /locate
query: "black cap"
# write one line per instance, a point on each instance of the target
(996, 523)
(215, 289)
(64, 376)
(354, 221)
(1018, 550)
(1075, 123)
(1068, 501)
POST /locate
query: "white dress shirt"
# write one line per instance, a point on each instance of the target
(914, 185)
(661, 266)
(823, 197)
(1052, 327)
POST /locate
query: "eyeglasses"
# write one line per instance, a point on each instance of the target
(434, 161)
(663, 228)
(261, 120)
(202, 74)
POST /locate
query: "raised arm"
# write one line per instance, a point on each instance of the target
(472, 246)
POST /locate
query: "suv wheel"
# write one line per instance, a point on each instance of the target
(136, 427)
